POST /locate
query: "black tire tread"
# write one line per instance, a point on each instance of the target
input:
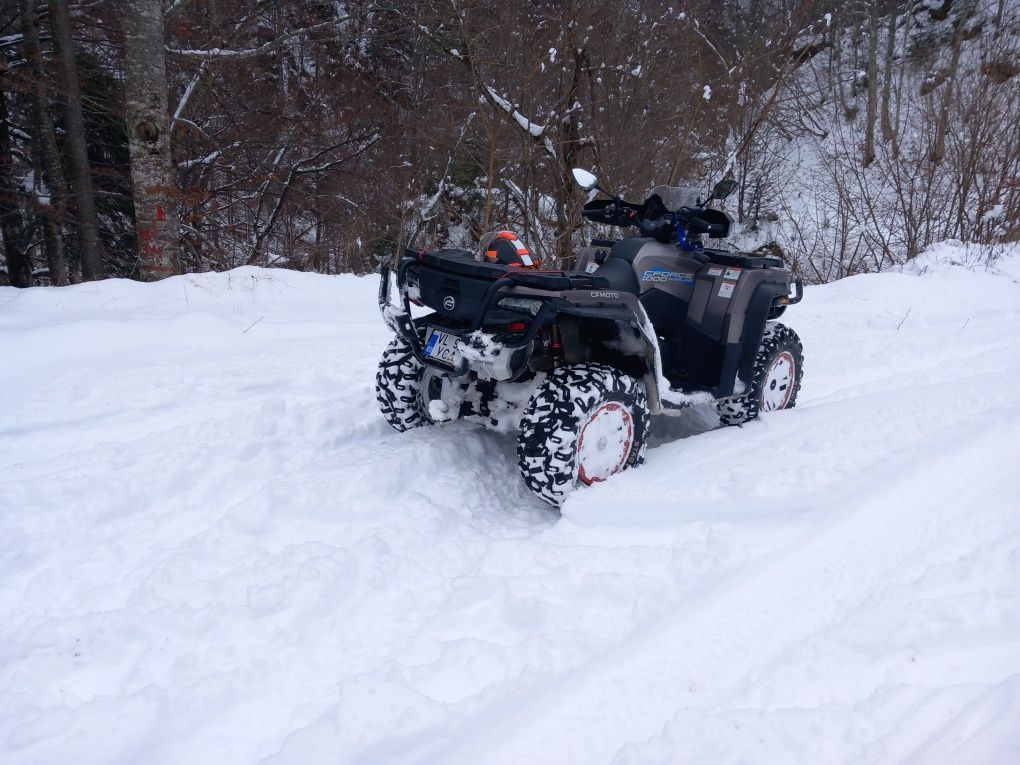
(546, 444)
(398, 387)
(777, 337)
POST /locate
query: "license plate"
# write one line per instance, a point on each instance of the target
(442, 347)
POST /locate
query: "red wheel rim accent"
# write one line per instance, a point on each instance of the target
(604, 418)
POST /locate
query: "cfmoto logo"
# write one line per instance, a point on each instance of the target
(449, 303)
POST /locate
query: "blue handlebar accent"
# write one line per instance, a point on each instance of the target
(686, 244)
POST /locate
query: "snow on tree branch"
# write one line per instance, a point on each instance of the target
(189, 90)
(222, 53)
(489, 94)
(533, 129)
(173, 7)
(208, 159)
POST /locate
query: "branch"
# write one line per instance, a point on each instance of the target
(220, 54)
(189, 90)
(173, 8)
(426, 209)
(298, 169)
(209, 158)
(301, 169)
(534, 130)
(10, 41)
(202, 70)
(494, 99)
(715, 50)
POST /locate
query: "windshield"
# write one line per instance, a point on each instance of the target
(675, 197)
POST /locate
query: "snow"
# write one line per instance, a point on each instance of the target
(807, 177)
(213, 549)
(533, 129)
(995, 211)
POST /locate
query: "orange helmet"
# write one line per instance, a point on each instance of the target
(504, 247)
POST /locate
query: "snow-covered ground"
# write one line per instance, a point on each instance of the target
(213, 549)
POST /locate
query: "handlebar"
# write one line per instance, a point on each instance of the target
(615, 212)
(659, 224)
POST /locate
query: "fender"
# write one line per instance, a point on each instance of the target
(755, 319)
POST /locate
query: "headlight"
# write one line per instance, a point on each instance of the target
(526, 305)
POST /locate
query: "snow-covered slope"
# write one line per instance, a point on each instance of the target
(213, 550)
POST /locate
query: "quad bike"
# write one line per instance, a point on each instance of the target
(577, 361)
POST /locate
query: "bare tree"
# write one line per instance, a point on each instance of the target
(870, 114)
(888, 74)
(311, 135)
(19, 267)
(152, 176)
(942, 125)
(52, 207)
(83, 196)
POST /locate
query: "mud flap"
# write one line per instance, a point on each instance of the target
(654, 380)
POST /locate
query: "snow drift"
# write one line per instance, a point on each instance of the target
(212, 549)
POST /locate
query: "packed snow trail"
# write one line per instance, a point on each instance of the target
(213, 549)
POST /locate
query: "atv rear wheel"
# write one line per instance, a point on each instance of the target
(398, 387)
(775, 377)
(583, 424)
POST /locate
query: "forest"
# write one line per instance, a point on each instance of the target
(145, 138)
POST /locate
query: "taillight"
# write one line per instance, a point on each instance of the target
(517, 326)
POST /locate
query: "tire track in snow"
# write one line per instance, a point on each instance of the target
(700, 657)
(433, 741)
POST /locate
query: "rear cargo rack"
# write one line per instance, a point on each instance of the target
(461, 262)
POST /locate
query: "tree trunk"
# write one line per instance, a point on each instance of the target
(148, 127)
(52, 172)
(83, 196)
(939, 148)
(569, 202)
(869, 126)
(888, 132)
(900, 87)
(19, 267)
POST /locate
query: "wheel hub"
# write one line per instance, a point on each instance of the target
(604, 442)
(430, 393)
(778, 385)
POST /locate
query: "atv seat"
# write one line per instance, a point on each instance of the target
(619, 274)
(628, 247)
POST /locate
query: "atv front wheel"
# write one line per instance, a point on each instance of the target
(398, 387)
(775, 377)
(583, 424)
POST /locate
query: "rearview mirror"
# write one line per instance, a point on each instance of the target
(584, 179)
(724, 188)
